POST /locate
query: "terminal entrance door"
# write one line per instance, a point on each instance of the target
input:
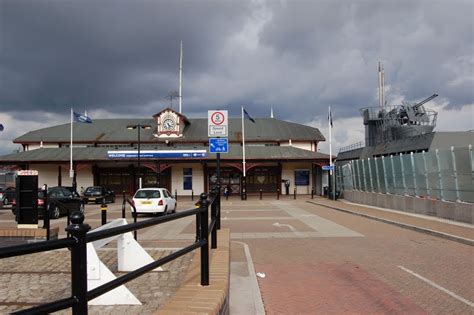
(229, 176)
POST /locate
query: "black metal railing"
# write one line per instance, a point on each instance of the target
(77, 244)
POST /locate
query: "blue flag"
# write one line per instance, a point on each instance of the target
(82, 118)
(247, 116)
(1, 127)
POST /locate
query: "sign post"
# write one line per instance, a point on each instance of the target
(218, 126)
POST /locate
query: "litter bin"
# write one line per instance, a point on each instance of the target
(325, 190)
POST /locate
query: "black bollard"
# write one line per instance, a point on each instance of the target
(278, 194)
(176, 194)
(294, 193)
(103, 213)
(192, 195)
(312, 193)
(260, 194)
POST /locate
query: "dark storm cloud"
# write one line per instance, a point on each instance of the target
(121, 57)
(104, 53)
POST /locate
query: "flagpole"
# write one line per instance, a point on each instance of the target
(244, 188)
(71, 172)
(330, 148)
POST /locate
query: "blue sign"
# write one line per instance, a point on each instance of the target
(218, 145)
(154, 154)
(328, 167)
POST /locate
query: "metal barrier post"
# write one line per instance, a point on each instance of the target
(260, 194)
(79, 262)
(214, 228)
(103, 212)
(204, 236)
(294, 193)
(46, 218)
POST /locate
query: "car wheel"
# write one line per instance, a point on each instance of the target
(6, 202)
(55, 213)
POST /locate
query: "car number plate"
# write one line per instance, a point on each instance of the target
(146, 202)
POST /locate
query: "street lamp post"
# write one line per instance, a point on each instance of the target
(138, 127)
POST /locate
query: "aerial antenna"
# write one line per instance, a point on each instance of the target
(381, 85)
(170, 96)
(180, 95)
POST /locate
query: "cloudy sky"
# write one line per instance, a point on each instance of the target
(120, 59)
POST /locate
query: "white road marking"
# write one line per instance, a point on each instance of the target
(287, 225)
(454, 295)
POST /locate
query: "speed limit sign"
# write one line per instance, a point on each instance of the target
(217, 121)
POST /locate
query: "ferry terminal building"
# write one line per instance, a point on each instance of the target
(174, 154)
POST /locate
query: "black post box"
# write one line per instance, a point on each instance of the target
(27, 199)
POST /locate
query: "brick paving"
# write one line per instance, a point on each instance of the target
(327, 262)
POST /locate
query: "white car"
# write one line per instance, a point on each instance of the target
(154, 200)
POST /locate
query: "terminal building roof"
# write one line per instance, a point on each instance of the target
(115, 131)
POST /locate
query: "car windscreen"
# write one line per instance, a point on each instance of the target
(91, 190)
(147, 194)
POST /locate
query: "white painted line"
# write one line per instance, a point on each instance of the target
(287, 225)
(454, 295)
(257, 297)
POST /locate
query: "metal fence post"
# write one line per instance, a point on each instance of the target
(385, 175)
(370, 176)
(78, 230)
(203, 236)
(377, 175)
(440, 180)
(455, 173)
(403, 175)
(363, 176)
(425, 168)
(412, 159)
(393, 175)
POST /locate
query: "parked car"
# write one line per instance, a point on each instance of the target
(98, 194)
(7, 195)
(60, 200)
(154, 200)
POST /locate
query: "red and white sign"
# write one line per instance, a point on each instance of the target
(217, 121)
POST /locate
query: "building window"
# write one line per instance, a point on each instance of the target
(187, 178)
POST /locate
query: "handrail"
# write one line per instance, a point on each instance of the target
(25, 249)
(80, 237)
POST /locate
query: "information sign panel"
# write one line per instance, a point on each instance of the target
(155, 154)
(218, 145)
(328, 167)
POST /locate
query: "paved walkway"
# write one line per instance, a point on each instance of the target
(442, 227)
